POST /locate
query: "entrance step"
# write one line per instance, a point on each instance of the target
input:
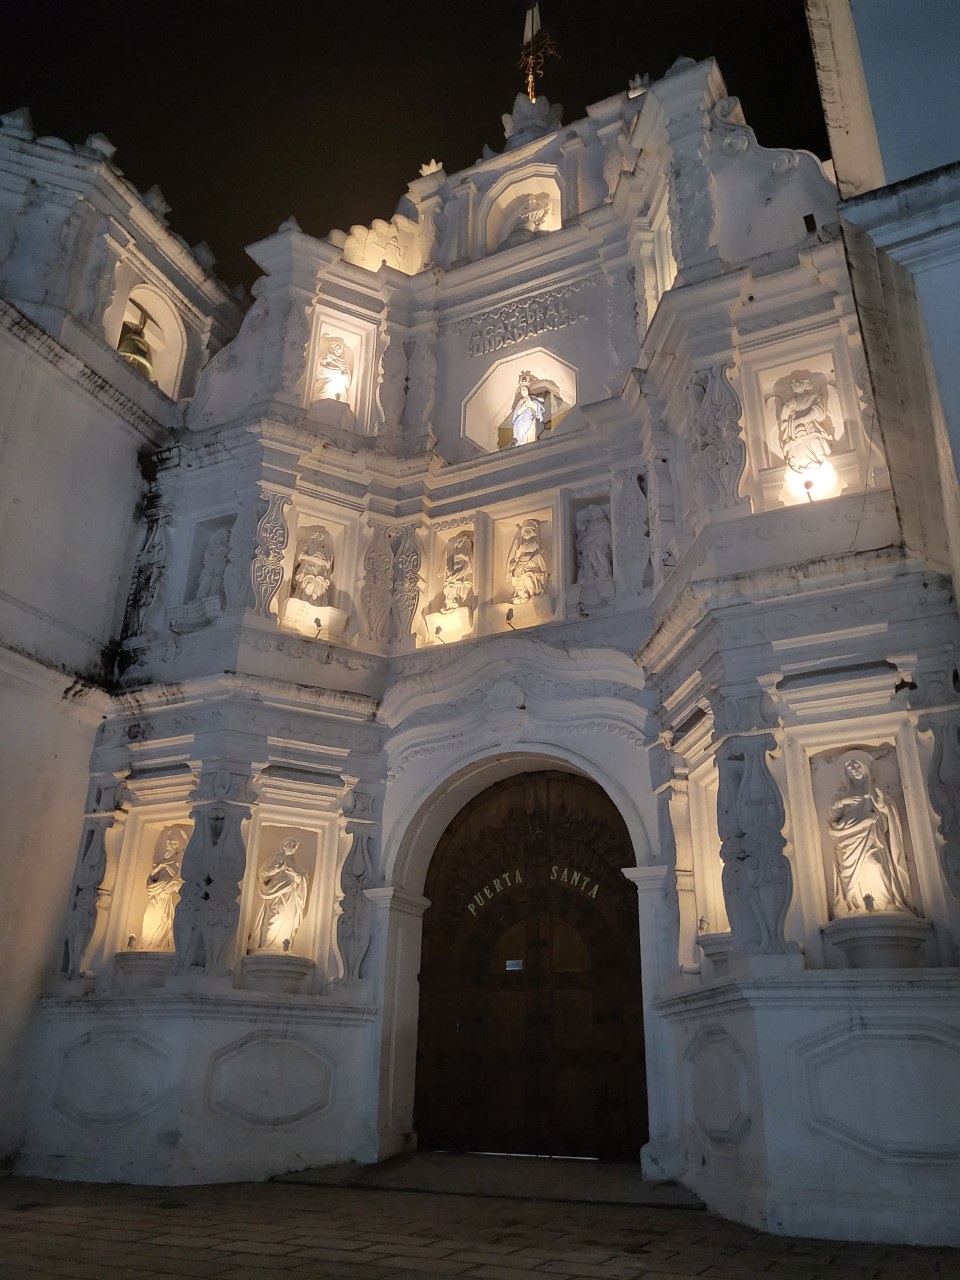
(512, 1177)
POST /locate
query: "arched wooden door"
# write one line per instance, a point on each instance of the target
(531, 1031)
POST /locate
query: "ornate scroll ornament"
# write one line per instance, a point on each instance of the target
(266, 572)
(406, 578)
(717, 436)
(375, 594)
(353, 924)
(82, 917)
(392, 384)
(392, 583)
(632, 532)
(237, 575)
(213, 865)
(945, 796)
(89, 886)
(757, 878)
(421, 384)
(691, 201)
(146, 595)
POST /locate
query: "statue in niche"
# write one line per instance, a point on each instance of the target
(525, 218)
(457, 574)
(313, 575)
(805, 430)
(334, 369)
(283, 893)
(871, 865)
(594, 547)
(526, 563)
(215, 557)
(163, 890)
(528, 411)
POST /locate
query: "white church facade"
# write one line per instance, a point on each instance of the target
(481, 695)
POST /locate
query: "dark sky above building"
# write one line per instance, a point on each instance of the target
(247, 113)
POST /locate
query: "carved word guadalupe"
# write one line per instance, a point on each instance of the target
(266, 572)
(525, 318)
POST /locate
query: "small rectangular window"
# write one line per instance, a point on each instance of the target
(514, 965)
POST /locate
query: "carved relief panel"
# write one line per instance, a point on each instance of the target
(449, 615)
(804, 427)
(340, 390)
(319, 574)
(524, 571)
(867, 852)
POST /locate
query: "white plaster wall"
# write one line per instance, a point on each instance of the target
(44, 759)
(69, 485)
(166, 1090)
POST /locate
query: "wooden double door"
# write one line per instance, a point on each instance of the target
(531, 1033)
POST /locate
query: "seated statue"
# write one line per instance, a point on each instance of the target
(458, 574)
(871, 864)
(163, 891)
(803, 425)
(313, 575)
(526, 563)
(283, 895)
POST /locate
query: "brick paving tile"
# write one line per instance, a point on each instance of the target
(496, 1271)
(588, 1271)
(513, 1261)
(355, 1270)
(338, 1255)
(424, 1266)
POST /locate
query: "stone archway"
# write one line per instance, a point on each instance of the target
(531, 1020)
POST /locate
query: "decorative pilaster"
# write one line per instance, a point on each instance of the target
(213, 864)
(93, 883)
(718, 437)
(354, 921)
(757, 878)
(266, 572)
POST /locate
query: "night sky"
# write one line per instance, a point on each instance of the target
(245, 113)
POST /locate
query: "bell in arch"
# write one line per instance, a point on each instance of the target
(133, 347)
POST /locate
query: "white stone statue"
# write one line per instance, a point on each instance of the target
(526, 563)
(163, 891)
(283, 893)
(313, 574)
(458, 574)
(215, 557)
(871, 865)
(594, 547)
(528, 411)
(334, 369)
(804, 428)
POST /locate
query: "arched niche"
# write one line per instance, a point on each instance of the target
(488, 407)
(518, 208)
(148, 313)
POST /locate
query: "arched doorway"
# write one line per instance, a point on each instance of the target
(531, 1030)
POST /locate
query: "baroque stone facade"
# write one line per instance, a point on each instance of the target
(613, 506)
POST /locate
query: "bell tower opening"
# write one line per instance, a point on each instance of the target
(531, 1023)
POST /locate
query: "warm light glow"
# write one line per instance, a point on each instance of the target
(812, 483)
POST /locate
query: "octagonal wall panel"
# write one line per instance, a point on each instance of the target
(269, 1080)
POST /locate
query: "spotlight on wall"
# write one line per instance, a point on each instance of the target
(508, 619)
(318, 623)
(436, 632)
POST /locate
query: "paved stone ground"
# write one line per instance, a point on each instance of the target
(69, 1231)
